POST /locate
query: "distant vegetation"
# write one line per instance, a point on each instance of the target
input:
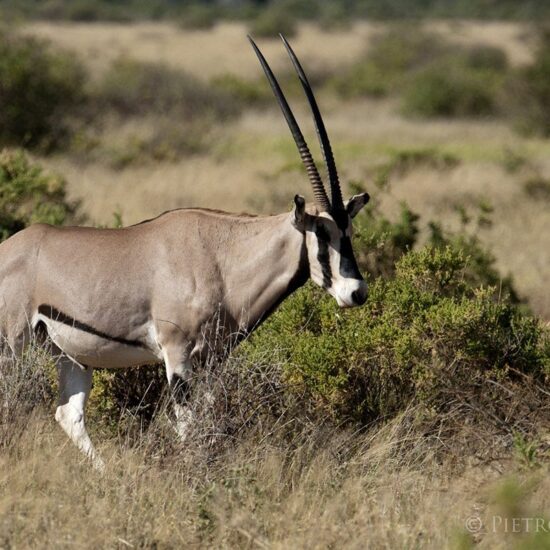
(184, 110)
(390, 60)
(531, 91)
(432, 77)
(274, 20)
(460, 84)
(40, 88)
(132, 88)
(50, 102)
(205, 12)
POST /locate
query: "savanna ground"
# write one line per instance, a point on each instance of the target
(290, 479)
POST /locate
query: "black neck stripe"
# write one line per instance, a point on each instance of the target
(323, 256)
(60, 317)
(348, 264)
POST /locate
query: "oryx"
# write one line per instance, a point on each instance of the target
(117, 298)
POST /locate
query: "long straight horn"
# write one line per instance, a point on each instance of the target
(319, 192)
(336, 192)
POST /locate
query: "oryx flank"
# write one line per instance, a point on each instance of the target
(117, 298)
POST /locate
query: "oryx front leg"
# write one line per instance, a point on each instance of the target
(179, 371)
(75, 384)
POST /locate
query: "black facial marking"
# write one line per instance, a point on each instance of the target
(323, 257)
(341, 217)
(56, 315)
(348, 264)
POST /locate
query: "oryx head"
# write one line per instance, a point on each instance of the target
(327, 226)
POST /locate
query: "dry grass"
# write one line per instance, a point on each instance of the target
(278, 480)
(256, 496)
(224, 49)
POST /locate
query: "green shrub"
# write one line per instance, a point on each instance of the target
(480, 269)
(166, 141)
(39, 88)
(425, 336)
(334, 17)
(529, 92)
(119, 394)
(199, 16)
(433, 77)
(245, 92)
(390, 57)
(272, 21)
(405, 48)
(180, 113)
(538, 188)
(28, 195)
(487, 58)
(452, 88)
(252, 93)
(132, 88)
(379, 242)
(84, 10)
(402, 161)
(364, 79)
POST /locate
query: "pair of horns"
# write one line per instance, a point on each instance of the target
(319, 191)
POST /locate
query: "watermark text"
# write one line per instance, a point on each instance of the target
(500, 524)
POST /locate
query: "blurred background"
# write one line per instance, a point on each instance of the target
(125, 109)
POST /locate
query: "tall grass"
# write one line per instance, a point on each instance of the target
(252, 474)
(25, 390)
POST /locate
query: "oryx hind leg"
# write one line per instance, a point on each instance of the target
(179, 371)
(75, 384)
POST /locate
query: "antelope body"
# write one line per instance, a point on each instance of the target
(169, 289)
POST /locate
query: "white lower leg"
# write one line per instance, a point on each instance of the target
(184, 420)
(74, 388)
(179, 373)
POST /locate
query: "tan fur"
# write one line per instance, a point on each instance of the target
(175, 273)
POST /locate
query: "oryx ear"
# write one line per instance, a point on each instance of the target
(299, 214)
(356, 203)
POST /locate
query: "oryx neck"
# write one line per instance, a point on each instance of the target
(268, 263)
